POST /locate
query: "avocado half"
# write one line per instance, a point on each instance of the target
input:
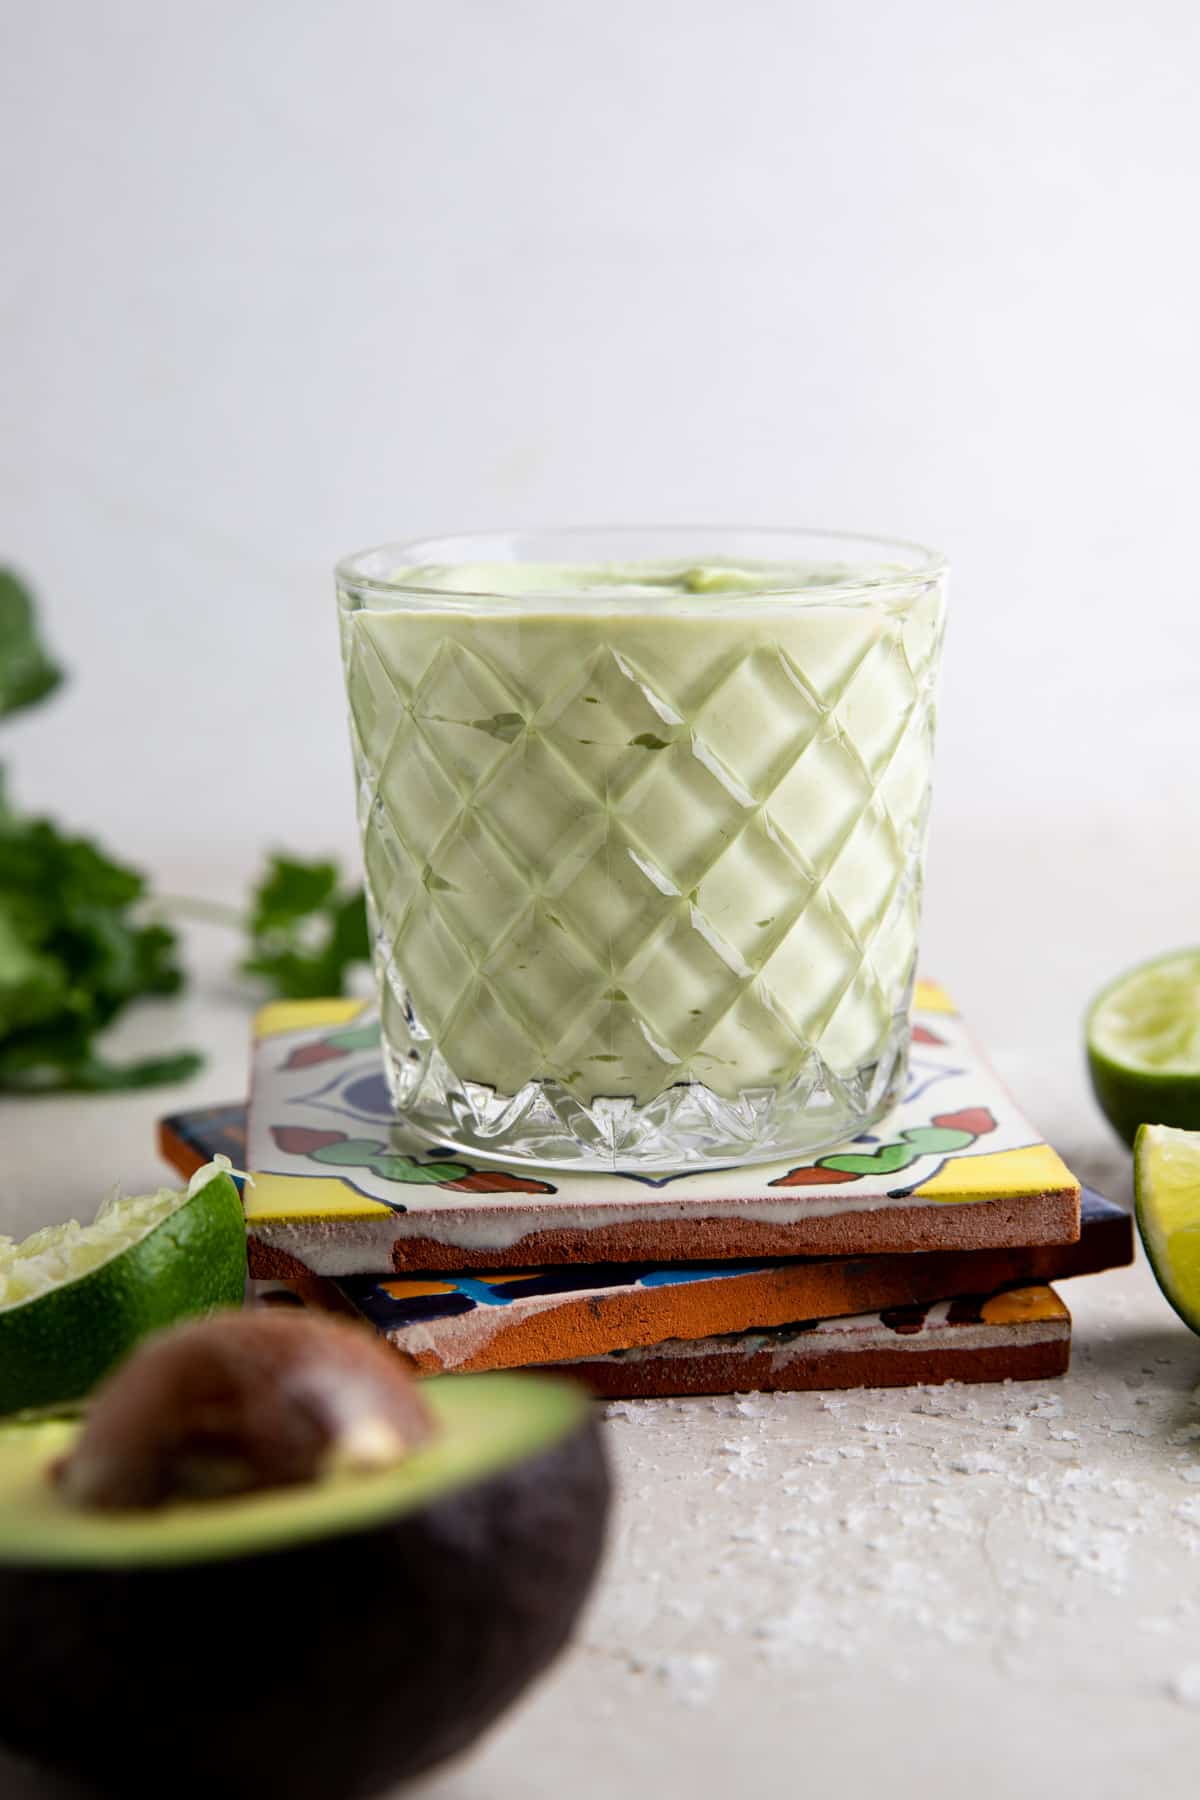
(321, 1641)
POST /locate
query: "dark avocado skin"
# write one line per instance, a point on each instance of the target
(319, 1672)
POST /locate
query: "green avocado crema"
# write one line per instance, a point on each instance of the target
(653, 581)
(630, 826)
(483, 1425)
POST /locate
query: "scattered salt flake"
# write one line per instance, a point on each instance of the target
(800, 1629)
(1064, 1437)
(1102, 1554)
(1047, 1406)
(881, 1427)
(834, 1406)
(978, 1462)
(689, 1678)
(904, 1477)
(689, 1610)
(1185, 1686)
(1124, 1489)
(821, 1456)
(896, 1579)
(1082, 1478)
(1186, 1434)
(1188, 1511)
(1017, 1425)
(751, 1407)
(851, 1450)
(1191, 1474)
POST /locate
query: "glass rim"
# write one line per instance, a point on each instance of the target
(360, 572)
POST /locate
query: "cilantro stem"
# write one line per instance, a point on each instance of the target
(202, 912)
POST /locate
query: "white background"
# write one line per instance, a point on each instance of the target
(280, 280)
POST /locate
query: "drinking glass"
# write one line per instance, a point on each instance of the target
(643, 816)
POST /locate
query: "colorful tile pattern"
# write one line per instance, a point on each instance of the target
(511, 1319)
(1021, 1334)
(515, 1318)
(340, 1189)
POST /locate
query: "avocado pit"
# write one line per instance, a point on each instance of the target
(269, 1563)
(241, 1403)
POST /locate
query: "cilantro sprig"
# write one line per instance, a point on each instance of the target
(73, 955)
(27, 673)
(79, 942)
(73, 951)
(306, 930)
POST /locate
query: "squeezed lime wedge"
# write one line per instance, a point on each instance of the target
(75, 1298)
(1166, 1185)
(1143, 1045)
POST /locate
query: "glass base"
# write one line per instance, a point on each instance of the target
(686, 1127)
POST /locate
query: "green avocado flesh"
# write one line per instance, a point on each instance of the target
(485, 1424)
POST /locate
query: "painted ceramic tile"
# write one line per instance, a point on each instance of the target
(515, 1318)
(188, 1140)
(340, 1189)
(1021, 1334)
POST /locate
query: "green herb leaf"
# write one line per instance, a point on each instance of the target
(26, 672)
(73, 956)
(306, 934)
(290, 892)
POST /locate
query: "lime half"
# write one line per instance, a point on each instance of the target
(1166, 1186)
(74, 1298)
(1143, 1045)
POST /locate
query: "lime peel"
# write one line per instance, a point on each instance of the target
(1143, 1045)
(74, 1298)
(1166, 1182)
(220, 1165)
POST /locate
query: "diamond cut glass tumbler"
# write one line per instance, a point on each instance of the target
(643, 817)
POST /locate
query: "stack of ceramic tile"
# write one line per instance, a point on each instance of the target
(919, 1253)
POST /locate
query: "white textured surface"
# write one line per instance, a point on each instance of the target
(949, 1591)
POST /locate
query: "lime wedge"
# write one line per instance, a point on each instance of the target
(1143, 1045)
(74, 1298)
(1166, 1186)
